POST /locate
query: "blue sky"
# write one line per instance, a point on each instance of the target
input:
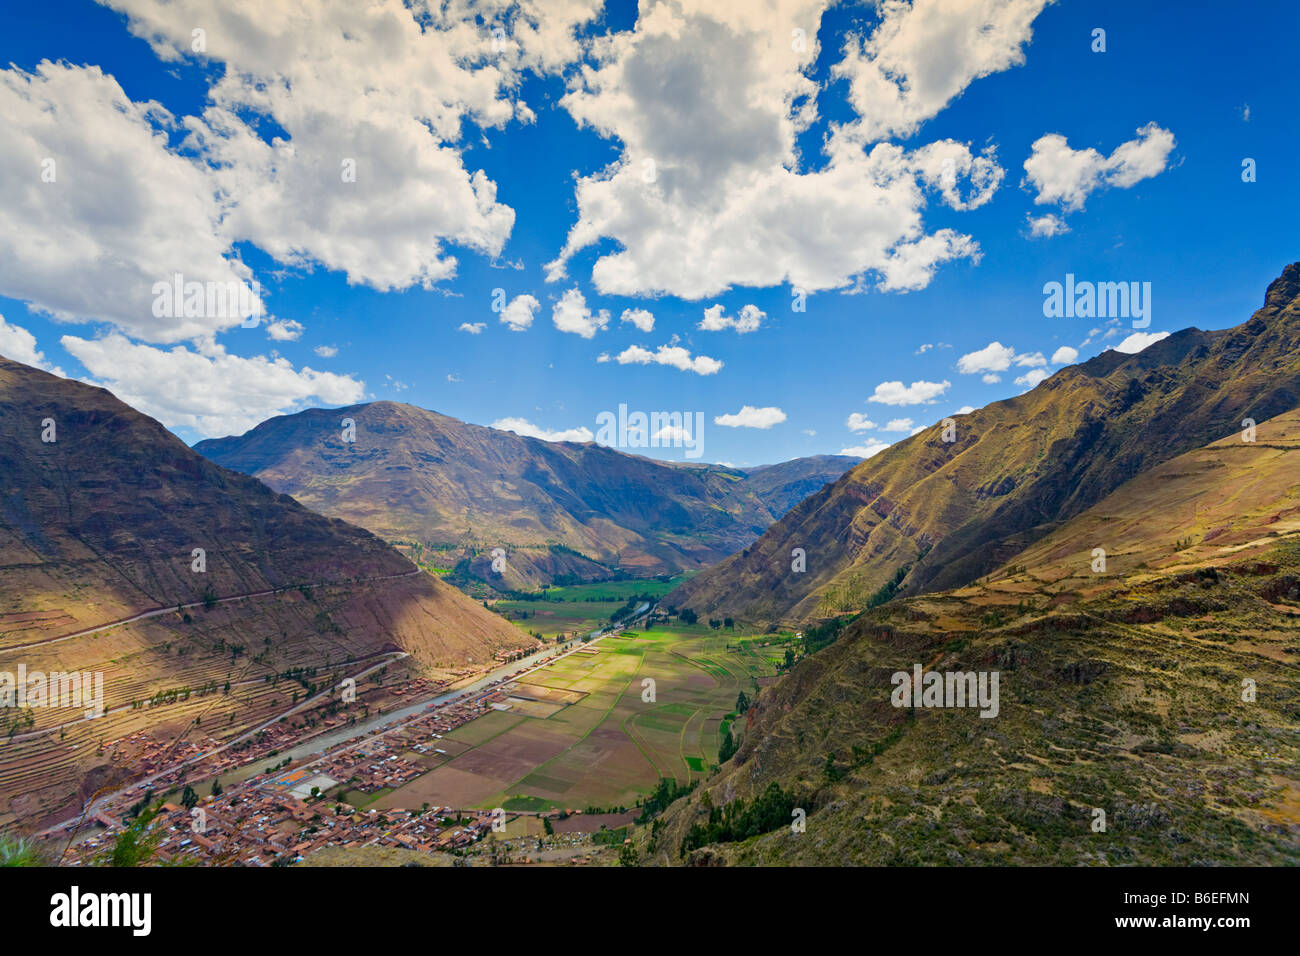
(775, 169)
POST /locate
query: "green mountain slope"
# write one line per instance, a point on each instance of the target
(948, 512)
(558, 508)
(1123, 691)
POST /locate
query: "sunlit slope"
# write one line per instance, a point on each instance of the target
(101, 525)
(1163, 690)
(950, 512)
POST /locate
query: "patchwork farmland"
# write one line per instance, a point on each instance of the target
(579, 734)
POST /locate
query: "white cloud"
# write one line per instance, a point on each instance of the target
(643, 320)
(1138, 341)
(994, 357)
(326, 351)
(857, 422)
(671, 355)
(1032, 377)
(751, 417)
(385, 95)
(673, 434)
(706, 102)
(750, 318)
(520, 312)
(212, 392)
(572, 315)
(473, 328)
(918, 393)
(872, 447)
(123, 211)
(20, 345)
(1067, 176)
(1045, 226)
(284, 330)
(965, 410)
(899, 425)
(521, 426)
(1064, 355)
(924, 54)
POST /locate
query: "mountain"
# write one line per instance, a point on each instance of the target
(1161, 691)
(101, 522)
(929, 514)
(559, 509)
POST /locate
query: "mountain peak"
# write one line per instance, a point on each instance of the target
(1284, 290)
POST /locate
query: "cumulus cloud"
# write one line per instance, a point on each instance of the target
(521, 426)
(918, 393)
(1067, 177)
(572, 315)
(368, 176)
(1032, 377)
(284, 330)
(1138, 341)
(671, 355)
(994, 358)
(1064, 355)
(473, 328)
(643, 320)
(519, 313)
(121, 213)
(924, 54)
(899, 425)
(857, 422)
(326, 351)
(706, 102)
(715, 319)
(1045, 226)
(20, 345)
(867, 450)
(211, 392)
(751, 417)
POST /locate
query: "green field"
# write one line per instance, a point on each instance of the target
(580, 608)
(609, 747)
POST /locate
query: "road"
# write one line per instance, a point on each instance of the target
(388, 722)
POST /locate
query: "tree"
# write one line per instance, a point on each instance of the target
(216, 788)
(688, 616)
(188, 797)
(742, 703)
(546, 826)
(627, 856)
(789, 657)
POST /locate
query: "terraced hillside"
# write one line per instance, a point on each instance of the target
(101, 524)
(1163, 690)
(943, 513)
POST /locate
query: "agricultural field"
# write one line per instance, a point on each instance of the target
(582, 733)
(579, 609)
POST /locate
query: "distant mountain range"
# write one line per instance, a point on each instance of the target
(561, 510)
(929, 514)
(105, 515)
(1146, 707)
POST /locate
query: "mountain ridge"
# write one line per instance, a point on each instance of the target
(943, 513)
